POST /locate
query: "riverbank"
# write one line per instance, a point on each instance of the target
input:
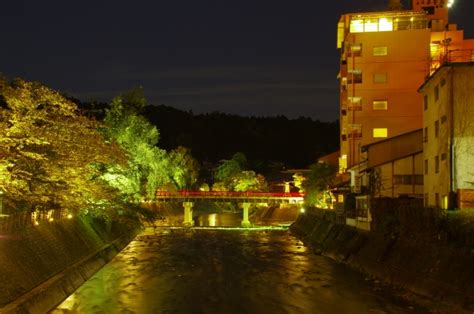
(431, 268)
(41, 265)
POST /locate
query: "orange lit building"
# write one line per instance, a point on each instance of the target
(385, 58)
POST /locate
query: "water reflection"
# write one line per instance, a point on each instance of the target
(218, 220)
(217, 271)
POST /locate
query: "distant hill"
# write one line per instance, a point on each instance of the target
(266, 141)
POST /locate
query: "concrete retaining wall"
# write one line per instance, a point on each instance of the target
(40, 266)
(434, 270)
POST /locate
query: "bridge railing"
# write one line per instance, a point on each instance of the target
(232, 194)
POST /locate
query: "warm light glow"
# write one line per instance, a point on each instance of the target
(212, 220)
(450, 3)
(370, 25)
(51, 219)
(357, 26)
(36, 223)
(69, 216)
(302, 210)
(385, 24)
(380, 132)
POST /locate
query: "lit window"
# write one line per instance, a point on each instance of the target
(380, 105)
(380, 78)
(371, 25)
(355, 103)
(340, 198)
(355, 50)
(357, 26)
(385, 24)
(380, 51)
(380, 132)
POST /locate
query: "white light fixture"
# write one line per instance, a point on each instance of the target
(450, 3)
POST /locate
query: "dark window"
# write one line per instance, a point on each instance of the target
(425, 135)
(354, 76)
(436, 127)
(436, 93)
(419, 179)
(436, 164)
(443, 119)
(443, 156)
(443, 82)
(425, 102)
(426, 166)
(429, 10)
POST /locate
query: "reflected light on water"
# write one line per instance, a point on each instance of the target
(212, 220)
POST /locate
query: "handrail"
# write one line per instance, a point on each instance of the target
(250, 194)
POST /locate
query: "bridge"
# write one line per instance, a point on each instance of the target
(245, 198)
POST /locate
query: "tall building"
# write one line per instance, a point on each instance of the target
(385, 58)
(448, 136)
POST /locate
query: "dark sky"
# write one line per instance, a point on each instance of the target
(247, 57)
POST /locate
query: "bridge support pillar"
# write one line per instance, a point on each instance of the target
(188, 214)
(245, 221)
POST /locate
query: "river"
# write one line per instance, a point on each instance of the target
(227, 271)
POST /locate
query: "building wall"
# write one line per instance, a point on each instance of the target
(463, 85)
(406, 65)
(453, 112)
(394, 177)
(412, 55)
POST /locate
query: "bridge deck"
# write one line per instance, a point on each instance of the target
(225, 196)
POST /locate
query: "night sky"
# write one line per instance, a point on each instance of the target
(255, 57)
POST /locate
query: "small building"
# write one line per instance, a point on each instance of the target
(397, 165)
(391, 168)
(448, 136)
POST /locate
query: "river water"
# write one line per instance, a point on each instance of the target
(227, 271)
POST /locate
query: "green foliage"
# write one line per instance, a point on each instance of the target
(148, 166)
(231, 176)
(230, 168)
(317, 184)
(249, 181)
(184, 169)
(47, 149)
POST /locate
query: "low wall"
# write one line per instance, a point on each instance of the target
(430, 269)
(40, 266)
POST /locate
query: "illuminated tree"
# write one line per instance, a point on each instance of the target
(318, 183)
(47, 149)
(231, 176)
(184, 169)
(148, 166)
(249, 181)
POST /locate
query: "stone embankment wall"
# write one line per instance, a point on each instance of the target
(40, 266)
(438, 271)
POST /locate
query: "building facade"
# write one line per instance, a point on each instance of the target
(385, 57)
(448, 136)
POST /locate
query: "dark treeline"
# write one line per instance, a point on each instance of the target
(266, 141)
